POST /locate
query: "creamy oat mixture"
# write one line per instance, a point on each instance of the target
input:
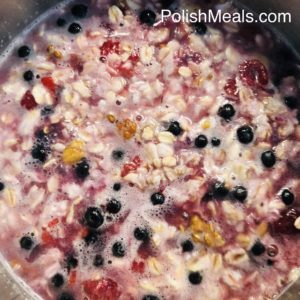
(142, 160)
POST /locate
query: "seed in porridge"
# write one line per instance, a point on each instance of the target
(28, 101)
(157, 199)
(28, 75)
(39, 152)
(187, 246)
(148, 17)
(200, 28)
(61, 22)
(57, 280)
(75, 28)
(82, 170)
(118, 155)
(268, 159)
(291, 102)
(287, 197)
(175, 128)
(272, 250)
(72, 262)
(245, 134)
(65, 296)
(24, 51)
(253, 73)
(91, 238)
(117, 186)
(215, 142)
(141, 234)
(258, 248)
(47, 110)
(26, 242)
(93, 217)
(201, 141)
(98, 261)
(226, 112)
(2, 186)
(79, 10)
(195, 278)
(220, 190)
(113, 206)
(118, 249)
(240, 193)
(150, 297)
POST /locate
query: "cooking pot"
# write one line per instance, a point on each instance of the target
(15, 15)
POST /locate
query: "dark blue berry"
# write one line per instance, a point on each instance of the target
(79, 10)
(72, 262)
(75, 28)
(65, 296)
(175, 128)
(118, 155)
(148, 17)
(141, 234)
(47, 110)
(82, 170)
(91, 238)
(150, 297)
(201, 141)
(220, 190)
(157, 199)
(60, 22)
(226, 112)
(287, 197)
(240, 193)
(268, 159)
(118, 249)
(98, 261)
(57, 280)
(200, 28)
(24, 51)
(113, 206)
(195, 278)
(187, 246)
(2, 186)
(28, 75)
(26, 242)
(39, 152)
(258, 248)
(215, 142)
(291, 102)
(93, 217)
(245, 134)
(117, 187)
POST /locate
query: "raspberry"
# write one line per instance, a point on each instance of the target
(49, 84)
(28, 101)
(253, 73)
(285, 223)
(109, 47)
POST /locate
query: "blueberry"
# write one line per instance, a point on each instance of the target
(118, 249)
(79, 10)
(65, 296)
(98, 261)
(270, 262)
(226, 112)
(39, 152)
(175, 128)
(187, 246)
(291, 102)
(220, 190)
(82, 169)
(287, 197)
(268, 159)
(24, 51)
(200, 28)
(245, 134)
(118, 155)
(117, 187)
(93, 217)
(26, 242)
(157, 199)
(150, 297)
(195, 278)
(240, 193)
(258, 248)
(141, 234)
(47, 110)
(72, 262)
(57, 280)
(2, 186)
(75, 28)
(201, 141)
(28, 75)
(60, 22)
(91, 238)
(113, 206)
(215, 142)
(148, 17)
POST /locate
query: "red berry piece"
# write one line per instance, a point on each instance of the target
(49, 83)
(104, 289)
(285, 223)
(110, 47)
(138, 267)
(28, 101)
(230, 88)
(253, 73)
